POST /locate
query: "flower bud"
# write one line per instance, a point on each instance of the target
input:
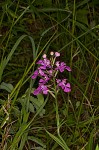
(51, 53)
(44, 56)
(57, 54)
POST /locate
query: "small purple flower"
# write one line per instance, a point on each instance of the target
(65, 86)
(44, 89)
(57, 54)
(62, 83)
(35, 74)
(41, 72)
(61, 66)
(44, 63)
(44, 81)
(41, 89)
(37, 91)
(40, 62)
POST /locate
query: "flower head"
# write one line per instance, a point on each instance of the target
(61, 66)
(44, 80)
(41, 89)
(67, 88)
(41, 72)
(64, 85)
(44, 63)
(47, 71)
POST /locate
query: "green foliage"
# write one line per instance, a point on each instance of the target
(27, 30)
(6, 86)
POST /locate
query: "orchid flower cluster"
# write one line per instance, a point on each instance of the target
(47, 71)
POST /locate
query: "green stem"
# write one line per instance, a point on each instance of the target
(57, 117)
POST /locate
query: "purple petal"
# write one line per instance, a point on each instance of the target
(46, 78)
(50, 72)
(57, 63)
(40, 62)
(44, 89)
(43, 67)
(41, 81)
(45, 92)
(58, 80)
(63, 64)
(68, 68)
(37, 91)
(61, 69)
(60, 66)
(41, 72)
(62, 83)
(68, 85)
(66, 89)
(57, 54)
(35, 74)
(47, 62)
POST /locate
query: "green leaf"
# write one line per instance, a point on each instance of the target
(11, 13)
(37, 140)
(97, 147)
(90, 142)
(31, 107)
(6, 86)
(23, 141)
(81, 16)
(38, 102)
(18, 136)
(40, 98)
(59, 142)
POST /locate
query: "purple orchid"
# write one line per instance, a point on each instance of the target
(62, 83)
(41, 72)
(44, 81)
(47, 71)
(41, 89)
(44, 63)
(61, 66)
(65, 86)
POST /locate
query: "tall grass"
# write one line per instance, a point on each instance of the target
(28, 29)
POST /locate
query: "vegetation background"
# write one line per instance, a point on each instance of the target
(28, 29)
